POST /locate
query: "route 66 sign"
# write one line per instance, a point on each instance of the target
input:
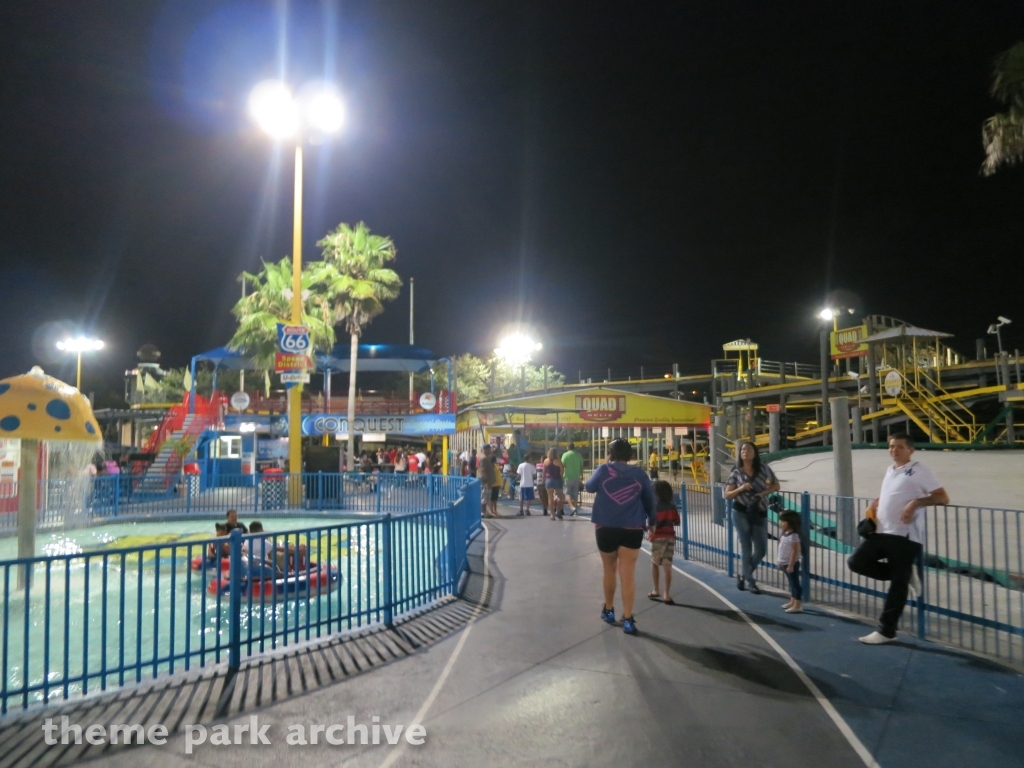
(292, 339)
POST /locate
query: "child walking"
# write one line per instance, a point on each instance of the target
(663, 540)
(789, 558)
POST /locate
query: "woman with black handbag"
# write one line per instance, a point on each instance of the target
(748, 488)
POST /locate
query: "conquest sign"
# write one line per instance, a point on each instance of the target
(407, 424)
(600, 407)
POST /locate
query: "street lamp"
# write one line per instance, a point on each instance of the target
(78, 345)
(317, 110)
(994, 329)
(517, 349)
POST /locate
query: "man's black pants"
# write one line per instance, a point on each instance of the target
(899, 552)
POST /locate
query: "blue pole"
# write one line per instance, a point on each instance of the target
(805, 542)
(729, 546)
(453, 576)
(117, 492)
(378, 498)
(918, 564)
(192, 391)
(684, 515)
(388, 565)
(235, 601)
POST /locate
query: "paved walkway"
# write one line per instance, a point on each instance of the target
(533, 677)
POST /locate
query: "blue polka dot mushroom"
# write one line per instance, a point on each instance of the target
(35, 407)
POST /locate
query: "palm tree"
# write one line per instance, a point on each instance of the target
(358, 284)
(1003, 133)
(269, 302)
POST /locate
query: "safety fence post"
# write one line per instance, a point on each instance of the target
(684, 516)
(453, 562)
(379, 484)
(235, 601)
(117, 493)
(917, 565)
(805, 539)
(388, 565)
(729, 545)
(320, 489)
(188, 493)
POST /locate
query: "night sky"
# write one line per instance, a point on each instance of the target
(640, 182)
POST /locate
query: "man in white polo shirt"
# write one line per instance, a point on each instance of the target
(908, 487)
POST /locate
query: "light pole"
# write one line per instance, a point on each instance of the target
(994, 329)
(316, 110)
(79, 345)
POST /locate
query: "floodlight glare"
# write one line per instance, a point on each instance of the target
(80, 344)
(1003, 320)
(274, 109)
(827, 314)
(324, 109)
(517, 348)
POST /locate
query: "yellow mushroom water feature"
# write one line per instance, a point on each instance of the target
(38, 408)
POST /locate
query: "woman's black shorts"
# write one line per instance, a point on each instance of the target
(610, 539)
(495, 490)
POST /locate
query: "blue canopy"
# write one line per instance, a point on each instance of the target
(222, 357)
(377, 358)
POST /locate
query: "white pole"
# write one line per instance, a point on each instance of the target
(412, 287)
(241, 373)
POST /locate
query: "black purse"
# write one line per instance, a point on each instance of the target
(866, 527)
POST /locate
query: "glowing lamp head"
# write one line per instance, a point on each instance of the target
(517, 348)
(827, 314)
(274, 109)
(80, 344)
(323, 108)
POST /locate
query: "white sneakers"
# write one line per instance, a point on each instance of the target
(876, 638)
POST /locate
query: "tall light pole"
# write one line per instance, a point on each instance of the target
(78, 345)
(994, 329)
(316, 110)
(826, 315)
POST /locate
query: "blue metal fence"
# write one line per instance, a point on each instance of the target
(86, 621)
(127, 496)
(972, 575)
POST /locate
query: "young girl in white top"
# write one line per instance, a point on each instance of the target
(789, 558)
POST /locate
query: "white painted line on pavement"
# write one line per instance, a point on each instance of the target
(830, 710)
(477, 610)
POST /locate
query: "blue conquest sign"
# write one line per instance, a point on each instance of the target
(399, 424)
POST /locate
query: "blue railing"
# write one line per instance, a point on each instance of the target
(973, 565)
(85, 621)
(127, 496)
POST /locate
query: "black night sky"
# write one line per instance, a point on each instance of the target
(641, 182)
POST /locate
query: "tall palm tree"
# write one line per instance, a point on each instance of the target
(1003, 133)
(358, 284)
(269, 302)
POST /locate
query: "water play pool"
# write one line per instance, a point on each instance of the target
(120, 603)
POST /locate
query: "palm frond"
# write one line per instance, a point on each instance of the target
(1003, 138)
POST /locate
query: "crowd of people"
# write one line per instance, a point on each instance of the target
(629, 505)
(401, 460)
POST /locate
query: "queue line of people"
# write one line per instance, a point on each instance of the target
(628, 505)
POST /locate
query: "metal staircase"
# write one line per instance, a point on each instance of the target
(160, 474)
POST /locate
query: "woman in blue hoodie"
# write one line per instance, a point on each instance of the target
(623, 509)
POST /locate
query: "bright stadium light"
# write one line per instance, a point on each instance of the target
(517, 348)
(274, 109)
(317, 111)
(323, 108)
(78, 345)
(827, 314)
